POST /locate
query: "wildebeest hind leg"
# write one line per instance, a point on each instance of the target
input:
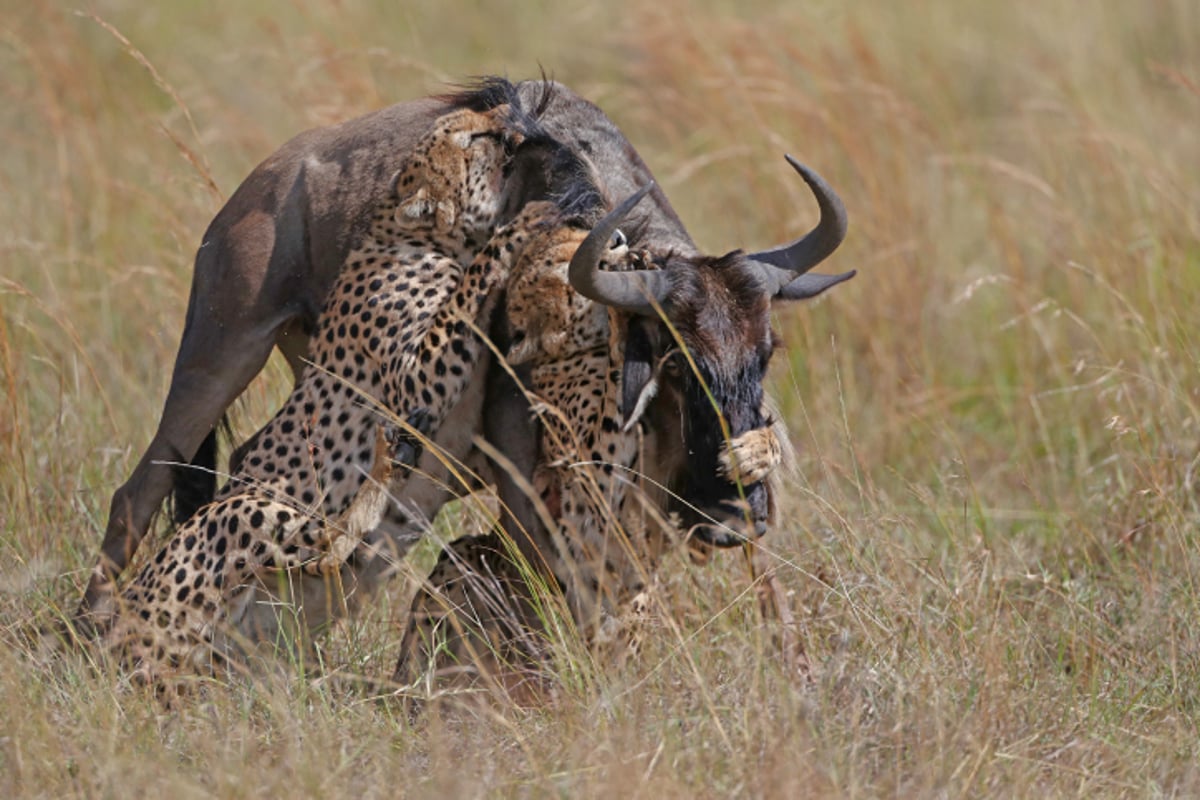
(206, 380)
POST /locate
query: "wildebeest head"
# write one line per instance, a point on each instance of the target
(696, 352)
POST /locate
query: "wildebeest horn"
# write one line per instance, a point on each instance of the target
(628, 291)
(783, 267)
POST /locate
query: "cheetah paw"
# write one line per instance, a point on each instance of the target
(751, 457)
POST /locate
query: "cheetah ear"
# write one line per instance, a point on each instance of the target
(638, 382)
(524, 349)
(462, 139)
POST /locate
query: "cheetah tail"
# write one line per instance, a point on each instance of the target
(194, 483)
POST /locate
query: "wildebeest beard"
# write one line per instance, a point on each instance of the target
(726, 512)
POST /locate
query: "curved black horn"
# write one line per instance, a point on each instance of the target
(782, 265)
(628, 291)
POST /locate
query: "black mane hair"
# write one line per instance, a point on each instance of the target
(482, 93)
(575, 191)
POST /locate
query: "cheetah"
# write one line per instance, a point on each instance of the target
(396, 340)
(476, 619)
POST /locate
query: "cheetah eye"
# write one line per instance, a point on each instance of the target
(492, 135)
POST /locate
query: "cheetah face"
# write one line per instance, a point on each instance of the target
(548, 319)
(454, 180)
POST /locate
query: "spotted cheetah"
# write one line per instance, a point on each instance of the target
(476, 618)
(396, 340)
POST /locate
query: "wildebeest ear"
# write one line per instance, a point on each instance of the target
(638, 381)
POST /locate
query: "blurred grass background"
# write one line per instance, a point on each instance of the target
(991, 536)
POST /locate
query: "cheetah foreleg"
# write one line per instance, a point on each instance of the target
(396, 447)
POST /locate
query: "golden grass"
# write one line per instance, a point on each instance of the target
(991, 538)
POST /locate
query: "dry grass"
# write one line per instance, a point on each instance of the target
(992, 537)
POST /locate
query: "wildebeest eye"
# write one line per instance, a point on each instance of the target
(765, 351)
(674, 363)
(618, 240)
(764, 358)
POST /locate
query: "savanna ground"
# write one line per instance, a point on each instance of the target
(991, 535)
